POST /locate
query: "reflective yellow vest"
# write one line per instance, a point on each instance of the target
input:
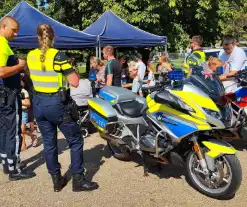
(48, 80)
(195, 62)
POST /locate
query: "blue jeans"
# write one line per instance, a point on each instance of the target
(49, 113)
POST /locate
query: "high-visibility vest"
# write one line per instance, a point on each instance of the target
(195, 62)
(48, 80)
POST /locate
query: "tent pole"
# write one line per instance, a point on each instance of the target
(100, 53)
(96, 52)
(166, 48)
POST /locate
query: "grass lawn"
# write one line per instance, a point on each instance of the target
(82, 70)
(178, 62)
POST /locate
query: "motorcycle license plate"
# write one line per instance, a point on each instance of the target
(98, 120)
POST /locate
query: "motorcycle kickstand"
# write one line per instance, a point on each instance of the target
(159, 168)
(144, 162)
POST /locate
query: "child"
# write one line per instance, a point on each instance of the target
(151, 80)
(214, 63)
(25, 105)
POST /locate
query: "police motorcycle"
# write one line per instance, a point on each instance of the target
(85, 125)
(169, 126)
(232, 106)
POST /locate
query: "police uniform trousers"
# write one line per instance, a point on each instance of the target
(51, 113)
(10, 133)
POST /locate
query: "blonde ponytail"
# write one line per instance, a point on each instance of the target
(46, 36)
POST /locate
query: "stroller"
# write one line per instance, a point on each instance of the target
(81, 95)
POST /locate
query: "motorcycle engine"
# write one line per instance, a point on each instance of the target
(147, 142)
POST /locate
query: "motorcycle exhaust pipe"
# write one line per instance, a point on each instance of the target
(114, 140)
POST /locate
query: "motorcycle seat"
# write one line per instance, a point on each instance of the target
(132, 109)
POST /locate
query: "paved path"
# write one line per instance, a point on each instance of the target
(121, 183)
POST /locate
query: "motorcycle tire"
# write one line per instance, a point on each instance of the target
(120, 154)
(224, 194)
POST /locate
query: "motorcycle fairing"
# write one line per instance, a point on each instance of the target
(202, 101)
(242, 94)
(178, 127)
(155, 107)
(218, 147)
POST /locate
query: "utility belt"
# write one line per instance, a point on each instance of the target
(64, 96)
(8, 96)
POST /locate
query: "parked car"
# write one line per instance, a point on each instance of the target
(212, 52)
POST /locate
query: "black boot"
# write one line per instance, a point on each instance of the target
(58, 182)
(20, 175)
(5, 169)
(79, 183)
(20, 167)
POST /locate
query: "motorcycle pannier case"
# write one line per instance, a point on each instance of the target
(101, 113)
(116, 95)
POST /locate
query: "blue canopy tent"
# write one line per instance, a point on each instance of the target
(29, 19)
(112, 30)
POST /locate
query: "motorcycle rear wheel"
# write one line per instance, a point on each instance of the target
(221, 191)
(121, 153)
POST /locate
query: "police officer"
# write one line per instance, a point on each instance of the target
(197, 51)
(51, 72)
(10, 102)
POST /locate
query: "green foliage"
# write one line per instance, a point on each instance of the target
(7, 5)
(176, 19)
(233, 18)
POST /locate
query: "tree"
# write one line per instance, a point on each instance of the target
(233, 18)
(7, 5)
(176, 19)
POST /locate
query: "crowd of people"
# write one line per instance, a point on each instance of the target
(38, 88)
(139, 74)
(134, 74)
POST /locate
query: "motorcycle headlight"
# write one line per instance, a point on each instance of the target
(212, 113)
(185, 106)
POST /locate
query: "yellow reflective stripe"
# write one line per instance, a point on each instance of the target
(44, 78)
(66, 66)
(39, 69)
(45, 90)
(57, 67)
(60, 63)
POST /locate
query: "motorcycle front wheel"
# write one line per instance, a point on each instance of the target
(222, 183)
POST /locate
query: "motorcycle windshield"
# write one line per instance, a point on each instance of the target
(204, 78)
